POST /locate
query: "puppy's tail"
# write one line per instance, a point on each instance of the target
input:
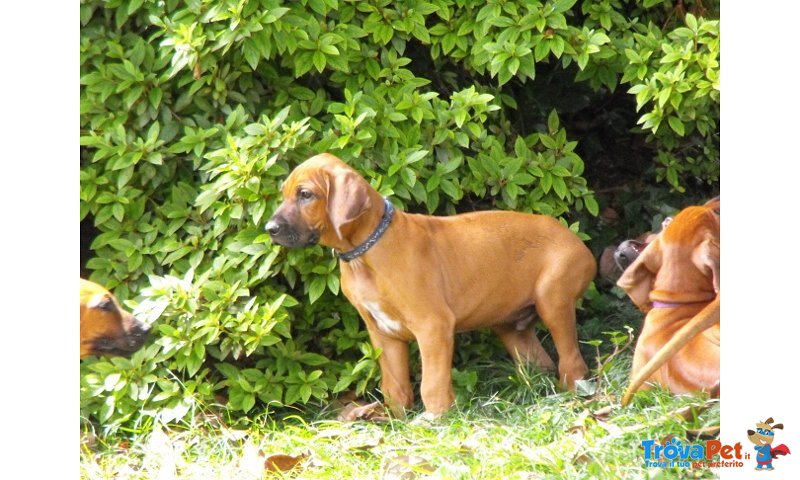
(704, 319)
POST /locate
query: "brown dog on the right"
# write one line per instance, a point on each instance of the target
(106, 328)
(676, 281)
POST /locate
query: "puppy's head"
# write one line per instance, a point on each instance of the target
(321, 197)
(627, 252)
(106, 328)
(614, 260)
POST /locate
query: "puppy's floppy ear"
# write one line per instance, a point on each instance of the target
(98, 300)
(348, 198)
(706, 258)
(714, 205)
(637, 280)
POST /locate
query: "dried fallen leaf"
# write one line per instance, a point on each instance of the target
(375, 412)
(705, 433)
(210, 419)
(363, 442)
(334, 433)
(579, 424)
(603, 414)
(342, 400)
(666, 439)
(581, 458)
(282, 463)
(88, 439)
(406, 467)
(612, 429)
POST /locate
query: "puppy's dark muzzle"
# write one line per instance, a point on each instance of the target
(281, 232)
(125, 345)
(284, 234)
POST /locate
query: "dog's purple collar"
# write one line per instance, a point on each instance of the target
(388, 213)
(657, 304)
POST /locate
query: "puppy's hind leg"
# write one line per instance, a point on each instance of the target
(519, 339)
(558, 315)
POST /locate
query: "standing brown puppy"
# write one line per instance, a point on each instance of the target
(424, 278)
(107, 329)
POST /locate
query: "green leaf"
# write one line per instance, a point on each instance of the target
(676, 124)
(248, 401)
(416, 156)
(561, 6)
(313, 359)
(552, 122)
(329, 50)
(546, 183)
(251, 53)
(450, 189)
(333, 283)
(560, 187)
(691, 22)
(316, 289)
(304, 62)
(591, 205)
(319, 61)
(118, 211)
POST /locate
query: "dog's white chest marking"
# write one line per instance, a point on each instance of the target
(384, 321)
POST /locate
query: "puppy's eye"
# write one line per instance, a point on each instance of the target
(305, 194)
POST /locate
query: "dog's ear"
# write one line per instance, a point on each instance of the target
(100, 301)
(713, 205)
(348, 198)
(779, 426)
(637, 280)
(706, 258)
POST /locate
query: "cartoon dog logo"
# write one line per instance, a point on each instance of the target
(763, 438)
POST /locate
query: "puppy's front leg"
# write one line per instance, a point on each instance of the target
(436, 350)
(395, 377)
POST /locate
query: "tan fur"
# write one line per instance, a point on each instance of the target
(105, 327)
(430, 277)
(679, 346)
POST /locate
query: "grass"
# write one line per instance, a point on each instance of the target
(514, 425)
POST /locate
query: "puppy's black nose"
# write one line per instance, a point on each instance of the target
(273, 228)
(137, 334)
(141, 330)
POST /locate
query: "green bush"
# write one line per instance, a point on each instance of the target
(192, 113)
